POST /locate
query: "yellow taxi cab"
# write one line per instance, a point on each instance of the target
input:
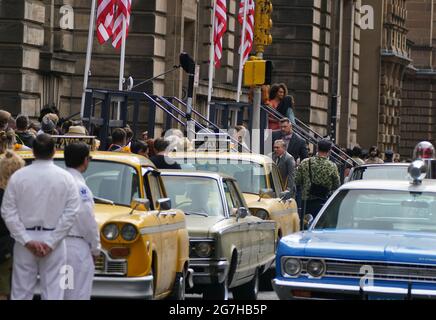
(258, 178)
(145, 243)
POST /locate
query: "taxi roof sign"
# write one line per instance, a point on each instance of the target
(62, 141)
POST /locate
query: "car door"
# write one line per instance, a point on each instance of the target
(256, 234)
(241, 237)
(167, 262)
(283, 214)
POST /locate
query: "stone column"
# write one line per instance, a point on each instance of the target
(21, 40)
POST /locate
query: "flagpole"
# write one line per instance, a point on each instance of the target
(211, 62)
(88, 56)
(241, 56)
(122, 60)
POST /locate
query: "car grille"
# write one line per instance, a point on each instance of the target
(382, 271)
(104, 265)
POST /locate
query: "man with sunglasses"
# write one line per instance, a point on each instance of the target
(83, 240)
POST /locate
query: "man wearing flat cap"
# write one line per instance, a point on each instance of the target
(317, 177)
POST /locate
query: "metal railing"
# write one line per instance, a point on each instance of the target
(128, 99)
(311, 136)
(100, 113)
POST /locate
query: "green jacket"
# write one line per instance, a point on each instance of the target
(324, 172)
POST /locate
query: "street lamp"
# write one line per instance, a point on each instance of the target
(188, 65)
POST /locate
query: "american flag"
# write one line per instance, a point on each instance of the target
(105, 19)
(249, 28)
(123, 12)
(220, 29)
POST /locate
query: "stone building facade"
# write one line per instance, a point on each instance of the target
(367, 86)
(43, 56)
(385, 47)
(316, 53)
(418, 112)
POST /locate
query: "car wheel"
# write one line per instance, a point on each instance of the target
(266, 279)
(249, 290)
(217, 292)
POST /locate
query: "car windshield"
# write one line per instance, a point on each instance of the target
(251, 176)
(380, 210)
(110, 180)
(381, 173)
(194, 195)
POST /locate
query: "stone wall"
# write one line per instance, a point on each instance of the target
(418, 111)
(21, 42)
(43, 63)
(300, 51)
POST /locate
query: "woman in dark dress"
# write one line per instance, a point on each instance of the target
(286, 108)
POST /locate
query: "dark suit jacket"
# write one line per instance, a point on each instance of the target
(297, 146)
(162, 162)
(286, 168)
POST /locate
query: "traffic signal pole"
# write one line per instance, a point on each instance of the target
(262, 38)
(257, 104)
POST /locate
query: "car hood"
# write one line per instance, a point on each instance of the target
(362, 245)
(202, 227)
(254, 203)
(104, 213)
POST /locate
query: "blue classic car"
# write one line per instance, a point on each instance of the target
(372, 240)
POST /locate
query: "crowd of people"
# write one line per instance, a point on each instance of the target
(311, 177)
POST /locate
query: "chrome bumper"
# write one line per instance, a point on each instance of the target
(123, 287)
(284, 288)
(119, 287)
(209, 271)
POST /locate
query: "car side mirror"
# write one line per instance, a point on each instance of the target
(308, 220)
(285, 195)
(164, 204)
(266, 194)
(241, 213)
(140, 204)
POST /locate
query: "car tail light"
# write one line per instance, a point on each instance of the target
(119, 252)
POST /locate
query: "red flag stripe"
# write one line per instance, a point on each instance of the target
(105, 20)
(249, 28)
(220, 29)
(123, 12)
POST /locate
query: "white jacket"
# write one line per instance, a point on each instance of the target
(85, 225)
(40, 195)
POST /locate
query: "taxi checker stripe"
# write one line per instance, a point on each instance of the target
(163, 228)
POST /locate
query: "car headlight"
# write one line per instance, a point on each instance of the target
(129, 232)
(316, 268)
(292, 267)
(110, 231)
(203, 249)
(262, 214)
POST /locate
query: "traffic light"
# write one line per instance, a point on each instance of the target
(257, 72)
(263, 24)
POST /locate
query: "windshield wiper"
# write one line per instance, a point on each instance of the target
(103, 201)
(203, 214)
